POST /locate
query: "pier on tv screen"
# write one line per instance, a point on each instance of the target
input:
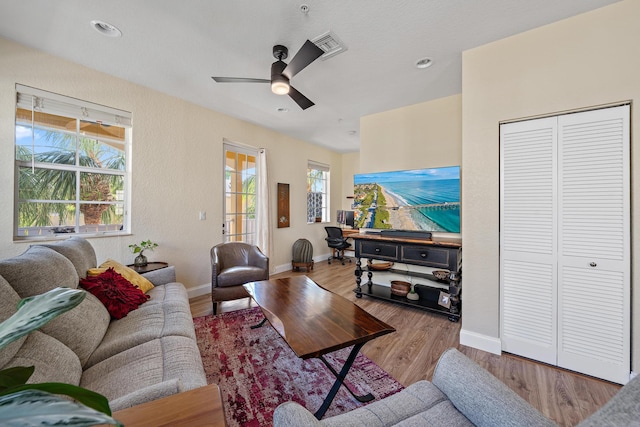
(421, 199)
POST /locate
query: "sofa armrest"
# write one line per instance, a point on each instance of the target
(622, 410)
(480, 396)
(291, 414)
(147, 394)
(161, 276)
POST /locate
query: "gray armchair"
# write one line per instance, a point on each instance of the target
(461, 394)
(232, 265)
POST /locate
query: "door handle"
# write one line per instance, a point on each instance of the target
(593, 264)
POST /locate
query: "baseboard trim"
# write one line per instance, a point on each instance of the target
(481, 342)
(287, 267)
(199, 290)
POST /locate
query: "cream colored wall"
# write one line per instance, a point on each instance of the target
(350, 167)
(177, 165)
(584, 61)
(414, 137)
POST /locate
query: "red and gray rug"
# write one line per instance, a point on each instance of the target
(256, 370)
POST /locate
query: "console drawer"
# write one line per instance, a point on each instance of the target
(430, 257)
(388, 251)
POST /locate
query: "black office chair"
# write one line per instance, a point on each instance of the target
(337, 243)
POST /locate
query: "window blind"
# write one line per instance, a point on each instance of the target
(317, 166)
(53, 103)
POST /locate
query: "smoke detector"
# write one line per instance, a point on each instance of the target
(330, 44)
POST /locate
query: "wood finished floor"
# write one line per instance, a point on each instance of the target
(410, 354)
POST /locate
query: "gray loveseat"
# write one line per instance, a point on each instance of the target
(149, 354)
(461, 394)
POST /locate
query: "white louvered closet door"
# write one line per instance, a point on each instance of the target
(528, 262)
(565, 241)
(594, 243)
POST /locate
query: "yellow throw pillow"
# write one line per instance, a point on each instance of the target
(131, 275)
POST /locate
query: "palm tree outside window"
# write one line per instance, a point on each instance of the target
(71, 168)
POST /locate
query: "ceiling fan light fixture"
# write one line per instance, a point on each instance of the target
(280, 85)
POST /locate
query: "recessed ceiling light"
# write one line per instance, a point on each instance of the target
(424, 63)
(106, 29)
(282, 110)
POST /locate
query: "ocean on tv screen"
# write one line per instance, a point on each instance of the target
(422, 199)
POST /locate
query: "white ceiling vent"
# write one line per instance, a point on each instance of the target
(330, 44)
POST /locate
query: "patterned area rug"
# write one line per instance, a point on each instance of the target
(256, 370)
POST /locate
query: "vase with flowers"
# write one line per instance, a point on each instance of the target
(141, 259)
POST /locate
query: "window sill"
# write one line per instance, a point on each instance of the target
(65, 236)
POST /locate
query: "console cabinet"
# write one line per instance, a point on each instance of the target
(413, 251)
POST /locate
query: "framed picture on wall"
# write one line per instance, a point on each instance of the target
(283, 205)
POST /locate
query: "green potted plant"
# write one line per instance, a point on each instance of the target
(141, 260)
(40, 404)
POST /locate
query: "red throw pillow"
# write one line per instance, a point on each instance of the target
(117, 294)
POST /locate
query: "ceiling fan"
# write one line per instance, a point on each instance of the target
(281, 73)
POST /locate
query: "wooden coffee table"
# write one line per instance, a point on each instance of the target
(314, 322)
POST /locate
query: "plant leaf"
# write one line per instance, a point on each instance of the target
(87, 397)
(14, 377)
(38, 408)
(36, 311)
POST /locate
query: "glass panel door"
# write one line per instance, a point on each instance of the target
(240, 179)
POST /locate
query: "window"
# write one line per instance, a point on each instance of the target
(317, 192)
(240, 194)
(71, 166)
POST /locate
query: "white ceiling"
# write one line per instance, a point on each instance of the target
(176, 46)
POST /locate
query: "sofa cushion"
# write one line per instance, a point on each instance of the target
(9, 300)
(418, 398)
(145, 365)
(443, 414)
(40, 269)
(166, 313)
(77, 250)
(131, 275)
(53, 361)
(117, 294)
(480, 396)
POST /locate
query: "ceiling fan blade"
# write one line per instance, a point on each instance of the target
(300, 99)
(308, 53)
(239, 80)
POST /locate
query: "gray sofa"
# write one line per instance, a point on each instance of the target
(149, 354)
(461, 394)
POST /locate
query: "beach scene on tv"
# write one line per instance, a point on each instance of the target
(421, 199)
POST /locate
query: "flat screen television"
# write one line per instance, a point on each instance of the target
(420, 200)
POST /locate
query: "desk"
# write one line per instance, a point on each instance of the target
(199, 407)
(349, 232)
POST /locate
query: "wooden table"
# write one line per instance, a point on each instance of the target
(315, 321)
(199, 407)
(151, 266)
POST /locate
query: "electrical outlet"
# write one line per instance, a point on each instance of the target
(203, 215)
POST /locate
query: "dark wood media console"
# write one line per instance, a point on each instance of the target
(414, 251)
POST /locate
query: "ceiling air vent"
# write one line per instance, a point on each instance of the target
(330, 44)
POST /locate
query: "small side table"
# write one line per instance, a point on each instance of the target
(149, 267)
(199, 407)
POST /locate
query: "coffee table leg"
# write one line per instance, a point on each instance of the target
(340, 381)
(259, 325)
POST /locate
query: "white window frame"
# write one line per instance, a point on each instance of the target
(249, 235)
(325, 171)
(37, 100)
